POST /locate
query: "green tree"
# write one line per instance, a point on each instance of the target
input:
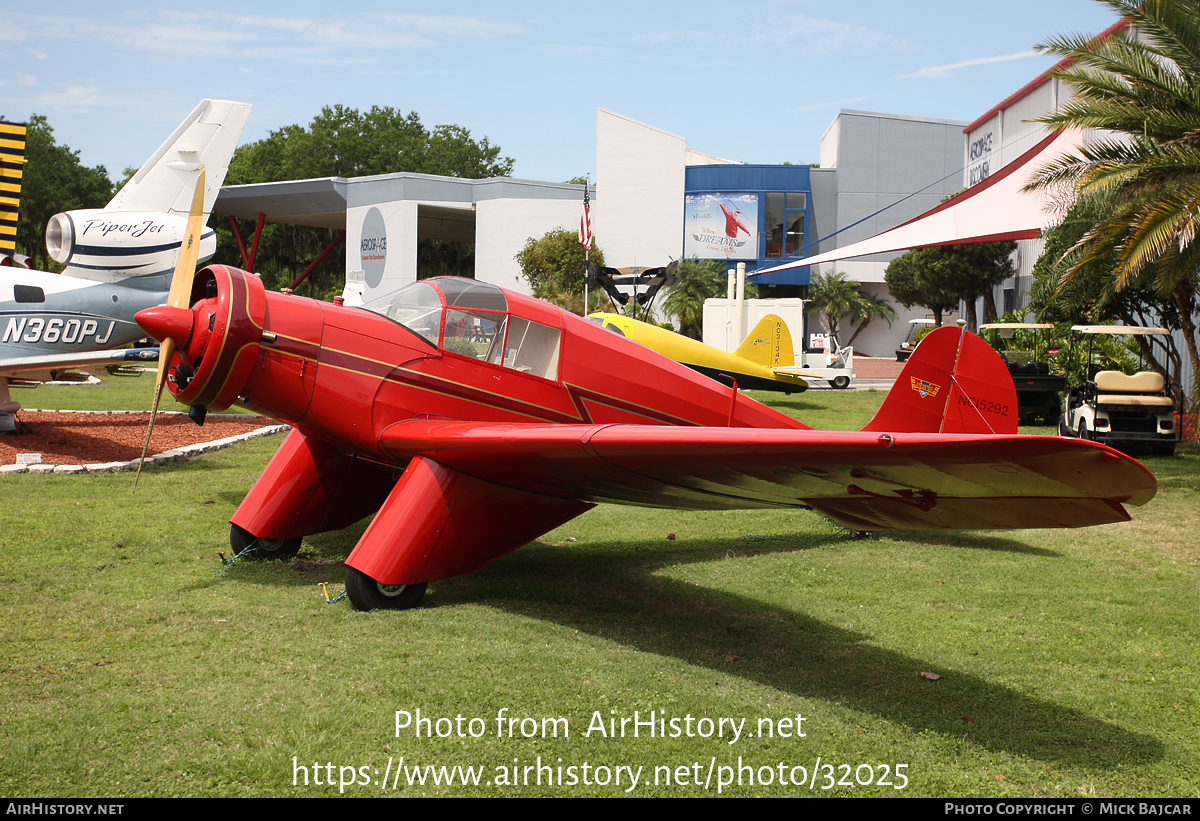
(867, 311)
(346, 142)
(553, 266)
(53, 181)
(833, 296)
(1065, 293)
(1144, 89)
(908, 282)
(696, 281)
(938, 278)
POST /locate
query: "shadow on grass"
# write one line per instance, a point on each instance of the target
(973, 541)
(621, 597)
(618, 593)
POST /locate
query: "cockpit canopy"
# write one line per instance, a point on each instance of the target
(470, 318)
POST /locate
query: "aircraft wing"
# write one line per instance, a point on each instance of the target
(33, 367)
(864, 480)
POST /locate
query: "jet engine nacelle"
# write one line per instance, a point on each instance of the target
(100, 244)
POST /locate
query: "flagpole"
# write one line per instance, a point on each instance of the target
(585, 236)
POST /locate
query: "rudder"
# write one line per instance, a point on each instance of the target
(769, 344)
(952, 383)
(167, 180)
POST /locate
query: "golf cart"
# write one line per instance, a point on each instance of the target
(906, 347)
(1119, 409)
(1038, 390)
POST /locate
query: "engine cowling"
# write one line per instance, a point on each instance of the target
(101, 244)
(218, 338)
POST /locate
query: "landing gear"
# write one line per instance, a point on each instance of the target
(367, 594)
(240, 539)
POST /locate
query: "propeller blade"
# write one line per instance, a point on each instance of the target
(165, 352)
(179, 296)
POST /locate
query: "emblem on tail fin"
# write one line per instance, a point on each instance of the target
(924, 387)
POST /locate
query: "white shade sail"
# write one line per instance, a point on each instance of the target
(994, 210)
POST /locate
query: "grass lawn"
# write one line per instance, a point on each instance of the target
(1067, 659)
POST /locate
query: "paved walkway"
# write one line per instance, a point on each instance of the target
(871, 374)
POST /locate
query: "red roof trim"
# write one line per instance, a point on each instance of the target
(1028, 233)
(1041, 80)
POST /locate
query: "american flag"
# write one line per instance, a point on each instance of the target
(585, 220)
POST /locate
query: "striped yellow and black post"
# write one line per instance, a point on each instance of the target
(12, 162)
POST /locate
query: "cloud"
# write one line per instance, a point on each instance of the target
(178, 35)
(72, 97)
(821, 35)
(949, 69)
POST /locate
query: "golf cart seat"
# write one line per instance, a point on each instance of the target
(1143, 389)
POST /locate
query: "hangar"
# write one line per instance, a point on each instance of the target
(383, 216)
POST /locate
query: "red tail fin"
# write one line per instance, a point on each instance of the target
(952, 383)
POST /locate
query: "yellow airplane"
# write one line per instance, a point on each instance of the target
(763, 362)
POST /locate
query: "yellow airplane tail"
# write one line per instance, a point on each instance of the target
(769, 344)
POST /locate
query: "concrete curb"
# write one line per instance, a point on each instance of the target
(166, 457)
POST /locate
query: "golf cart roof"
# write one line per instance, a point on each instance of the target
(1120, 330)
(1016, 326)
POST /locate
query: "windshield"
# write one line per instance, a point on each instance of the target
(417, 307)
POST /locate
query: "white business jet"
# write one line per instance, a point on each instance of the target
(119, 259)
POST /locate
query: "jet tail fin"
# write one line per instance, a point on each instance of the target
(953, 383)
(167, 181)
(769, 344)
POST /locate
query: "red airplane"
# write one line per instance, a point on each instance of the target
(471, 420)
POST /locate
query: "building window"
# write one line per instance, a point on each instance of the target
(784, 223)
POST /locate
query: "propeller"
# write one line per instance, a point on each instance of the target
(171, 323)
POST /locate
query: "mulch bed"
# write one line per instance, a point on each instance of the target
(93, 438)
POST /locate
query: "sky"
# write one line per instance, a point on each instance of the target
(755, 82)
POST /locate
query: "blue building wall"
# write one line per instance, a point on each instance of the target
(760, 180)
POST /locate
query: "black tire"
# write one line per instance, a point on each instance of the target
(1083, 432)
(367, 594)
(840, 382)
(240, 539)
(1163, 449)
(1063, 430)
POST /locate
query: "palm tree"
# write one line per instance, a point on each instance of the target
(697, 280)
(1141, 85)
(833, 296)
(869, 309)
